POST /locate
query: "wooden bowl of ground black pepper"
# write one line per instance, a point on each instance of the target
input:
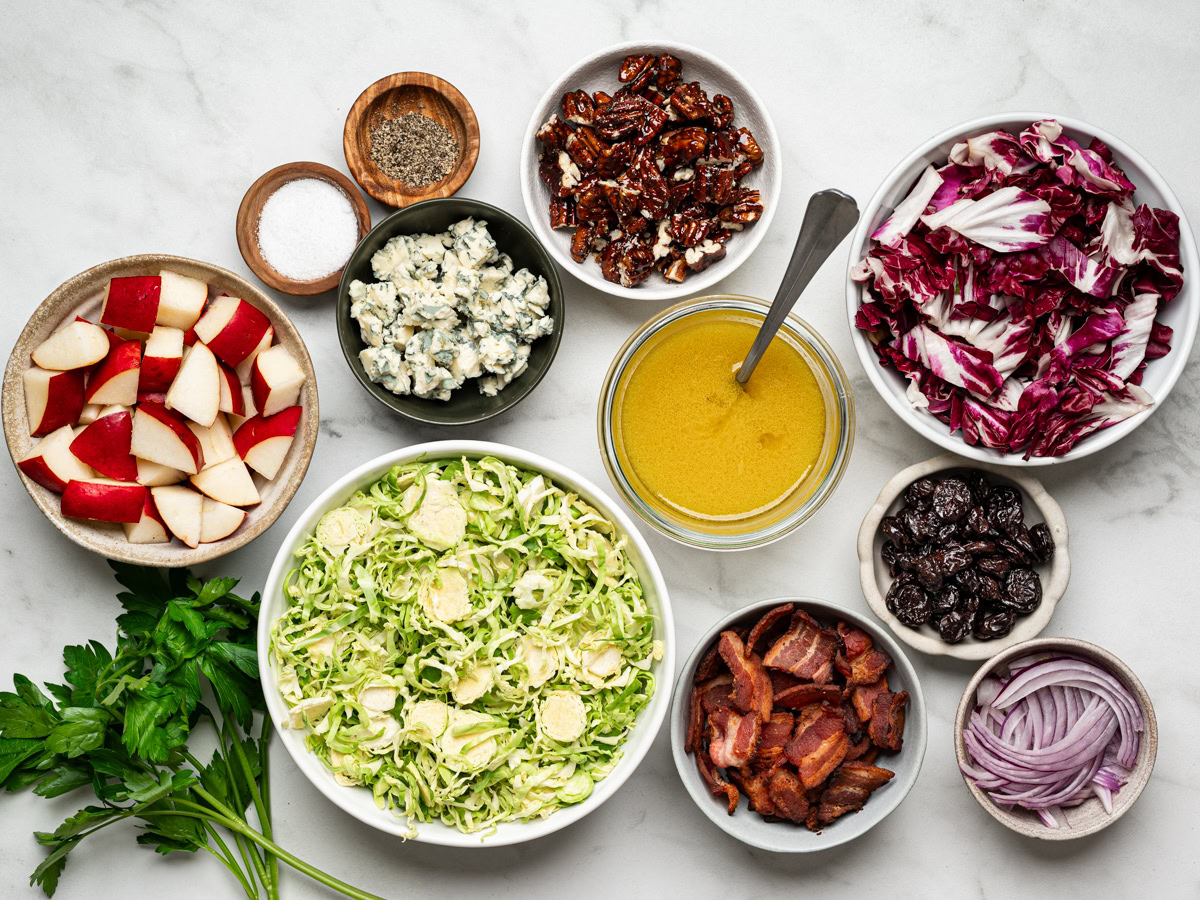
(410, 137)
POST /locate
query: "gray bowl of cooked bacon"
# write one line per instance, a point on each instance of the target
(797, 725)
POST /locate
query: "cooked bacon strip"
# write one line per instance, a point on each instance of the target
(695, 727)
(715, 782)
(752, 693)
(804, 694)
(714, 693)
(774, 737)
(887, 720)
(710, 665)
(854, 728)
(819, 745)
(861, 662)
(766, 623)
(781, 680)
(732, 738)
(805, 649)
(849, 789)
(754, 785)
(786, 793)
(863, 697)
(855, 640)
(858, 750)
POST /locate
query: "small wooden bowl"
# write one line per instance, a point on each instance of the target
(393, 96)
(251, 209)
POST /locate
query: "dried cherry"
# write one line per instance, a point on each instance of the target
(953, 626)
(909, 604)
(994, 624)
(1022, 591)
(919, 494)
(951, 499)
(1042, 542)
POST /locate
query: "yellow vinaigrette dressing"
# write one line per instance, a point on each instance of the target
(698, 445)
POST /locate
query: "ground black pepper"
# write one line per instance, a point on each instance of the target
(414, 149)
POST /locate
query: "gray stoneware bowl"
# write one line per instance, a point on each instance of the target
(1089, 817)
(466, 405)
(786, 837)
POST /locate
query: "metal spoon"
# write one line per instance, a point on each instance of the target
(829, 218)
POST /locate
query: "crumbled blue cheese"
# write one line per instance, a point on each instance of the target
(448, 307)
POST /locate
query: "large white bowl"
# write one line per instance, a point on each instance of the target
(598, 72)
(359, 802)
(1182, 314)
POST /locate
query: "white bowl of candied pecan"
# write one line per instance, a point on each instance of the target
(797, 725)
(651, 170)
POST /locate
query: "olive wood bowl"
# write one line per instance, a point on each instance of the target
(251, 208)
(82, 295)
(393, 96)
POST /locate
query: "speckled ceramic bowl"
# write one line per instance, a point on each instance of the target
(1039, 507)
(82, 295)
(1090, 816)
(786, 837)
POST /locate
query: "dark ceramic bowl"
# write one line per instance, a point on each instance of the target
(466, 405)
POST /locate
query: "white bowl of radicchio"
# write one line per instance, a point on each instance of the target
(1023, 289)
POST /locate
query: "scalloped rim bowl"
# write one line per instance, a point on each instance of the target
(875, 578)
(1182, 313)
(359, 802)
(599, 72)
(786, 837)
(1089, 817)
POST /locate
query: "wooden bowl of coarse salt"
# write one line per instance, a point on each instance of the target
(297, 226)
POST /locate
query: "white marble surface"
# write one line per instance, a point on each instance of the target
(136, 127)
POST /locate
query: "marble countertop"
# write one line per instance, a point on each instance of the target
(136, 127)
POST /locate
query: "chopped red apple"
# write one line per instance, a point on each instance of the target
(263, 442)
(104, 445)
(161, 436)
(228, 481)
(153, 474)
(232, 398)
(218, 520)
(181, 301)
(275, 380)
(152, 397)
(216, 440)
(196, 390)
(131, 304)
(161, 358)
(76, 345)
(116, 379)
(150, 528)
(232, 328)
(180, 509)
(89, 414)
(104, 500)
(248, 410)
(52, 399)
(243, 368)
(52, 464)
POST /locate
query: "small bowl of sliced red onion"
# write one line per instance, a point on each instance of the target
(1023, 289)
(1055, 738)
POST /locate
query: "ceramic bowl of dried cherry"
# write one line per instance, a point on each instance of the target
(797, 725)
(963, 559)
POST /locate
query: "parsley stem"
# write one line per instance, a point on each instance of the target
(264, 820)
(226, 858)
(264, 767)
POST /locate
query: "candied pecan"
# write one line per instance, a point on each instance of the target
(742, 169)
(690, 101)
(676, 271)
(668, 71)
(560, 175)
(701, 257)
(562, 212)
(681, 192)
(653, 194)
(554, 133)
(722, 148)
(714, 184)
(584, 148)
(654, 95)
(630, 115)
(722, 111)
(689, 231)
(578, 107)
(721, 236)
(615, 159)
(749, 146)
(626, 261)
(633, 66)
(745, 207)
(681, 146)
(581, 242)
(599, 98)
(591, 203)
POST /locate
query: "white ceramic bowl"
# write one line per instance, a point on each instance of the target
(358, 802)
(876, 579)
(1182, 314)
(785, 837)
(599, 72)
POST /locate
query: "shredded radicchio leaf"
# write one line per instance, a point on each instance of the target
(1016, 287)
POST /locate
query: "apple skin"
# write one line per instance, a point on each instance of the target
(52, 399)
(238, 336)
(104, 445)
(159, 397)
(125, 357)
(131, 303)
(51, 464)
(104, 501)
(233, 401)
(179, 426)
(161, 358)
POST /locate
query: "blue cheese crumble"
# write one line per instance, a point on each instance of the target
(448, 307)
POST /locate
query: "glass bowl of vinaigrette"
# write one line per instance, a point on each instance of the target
(707, 461)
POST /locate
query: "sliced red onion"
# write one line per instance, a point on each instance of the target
(1057, 731)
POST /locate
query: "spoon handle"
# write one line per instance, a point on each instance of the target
(829, 218)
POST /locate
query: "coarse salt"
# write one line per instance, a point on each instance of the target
(307, 229)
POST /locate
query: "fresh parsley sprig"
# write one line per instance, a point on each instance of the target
(121, 722)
